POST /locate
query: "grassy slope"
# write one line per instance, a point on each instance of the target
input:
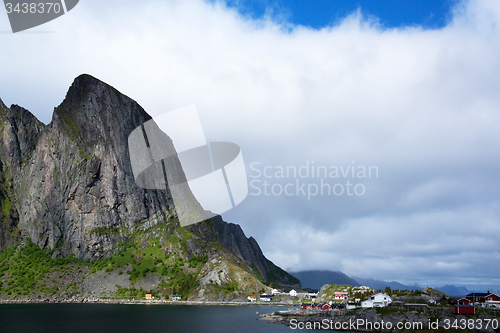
(177, 256)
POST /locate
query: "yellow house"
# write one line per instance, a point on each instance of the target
(148, 296)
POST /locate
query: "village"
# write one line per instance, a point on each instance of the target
(341, 299)
(428, 308)
(348, 297)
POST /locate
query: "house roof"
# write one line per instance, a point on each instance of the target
(478, 294)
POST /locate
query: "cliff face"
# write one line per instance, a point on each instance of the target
(73, 176)
(68, 186)
(232, 236)
(20, 131)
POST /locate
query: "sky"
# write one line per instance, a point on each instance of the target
(318, 14)
(409, 92)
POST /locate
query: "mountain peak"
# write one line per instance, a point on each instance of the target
(69, 189)
(81, 87)
(94, 111)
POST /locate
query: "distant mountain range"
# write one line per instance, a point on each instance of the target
(379, 284)
(453, 291)
(317, 279)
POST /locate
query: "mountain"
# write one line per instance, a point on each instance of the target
(69, 198)
(379, 284)
(453, 291)
(317, 279)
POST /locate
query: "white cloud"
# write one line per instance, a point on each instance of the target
(422, 105)
(435, 246)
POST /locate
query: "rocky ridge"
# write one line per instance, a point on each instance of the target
(68, 188)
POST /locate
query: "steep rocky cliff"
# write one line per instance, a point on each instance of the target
(231, 236)
(68, 187)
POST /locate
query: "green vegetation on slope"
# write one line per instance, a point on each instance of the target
(23, 269)
(173, 254)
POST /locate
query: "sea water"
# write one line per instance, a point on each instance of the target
(124, 318)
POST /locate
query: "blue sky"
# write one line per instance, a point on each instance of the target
(418, 100)
(321, 13)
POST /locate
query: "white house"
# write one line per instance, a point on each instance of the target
(265, 298)
(311, 296)
(341, 295)
(377, 300)
(293, 292)
(491, 304)
(276, 292)
(350, 306)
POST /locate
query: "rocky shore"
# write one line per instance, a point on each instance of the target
(369, 320)
(133, 301)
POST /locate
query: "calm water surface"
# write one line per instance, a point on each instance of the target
(109, 318)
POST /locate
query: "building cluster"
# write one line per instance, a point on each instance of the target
(375, 300)
(378, 300)
(466, 305)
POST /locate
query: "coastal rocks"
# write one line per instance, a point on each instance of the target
(370, 320)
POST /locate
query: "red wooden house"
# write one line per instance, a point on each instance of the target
(463, 301)
(464, 309)
(482, 297)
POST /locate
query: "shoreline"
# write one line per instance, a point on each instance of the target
(146, 302)
(369, 320)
